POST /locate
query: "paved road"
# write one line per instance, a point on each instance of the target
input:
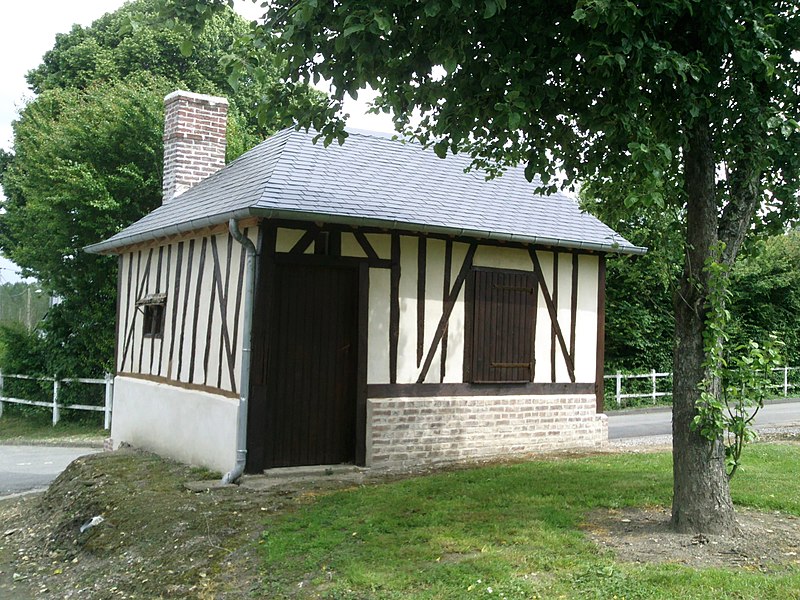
(25, 468)
(659, 422)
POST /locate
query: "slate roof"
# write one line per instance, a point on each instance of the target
(373, 180)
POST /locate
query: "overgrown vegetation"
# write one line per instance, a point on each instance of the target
(31, 353)
(87, 161)
(764, 294)
(737, 376)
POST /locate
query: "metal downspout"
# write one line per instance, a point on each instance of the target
(247, 325)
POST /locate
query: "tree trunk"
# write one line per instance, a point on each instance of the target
(701, 495)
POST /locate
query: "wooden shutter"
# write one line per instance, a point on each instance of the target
(503, 320)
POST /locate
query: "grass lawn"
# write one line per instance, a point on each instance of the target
(38, 427)
(511, 532)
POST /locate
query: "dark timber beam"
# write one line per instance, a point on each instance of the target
(394, 308)
(599, 388)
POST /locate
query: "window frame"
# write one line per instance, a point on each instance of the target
(153, 308)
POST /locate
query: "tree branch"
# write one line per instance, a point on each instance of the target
(745, 197)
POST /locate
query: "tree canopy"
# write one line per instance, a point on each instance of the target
(681, 103)
(87, 159)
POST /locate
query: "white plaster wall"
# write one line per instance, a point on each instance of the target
(190, 426)
(378, 328)
(407, 339)
(485, 256)
(586, 319)
(237, 254)
(381, 243)
(183, 352)
(498, 257)
(285, 239)
(202, 339)
(351, 247)
(166, 360)
(408, 370)
(454, 364)
(124, 300)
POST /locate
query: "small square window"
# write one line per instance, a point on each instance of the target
(154, 320)
(153, 306)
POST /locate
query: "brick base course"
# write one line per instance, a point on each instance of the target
(407, 432)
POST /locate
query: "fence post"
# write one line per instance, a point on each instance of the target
(653, 377)
(109, 400)
(619, 388)
(785, 381)
(1, 393)
(56, 413)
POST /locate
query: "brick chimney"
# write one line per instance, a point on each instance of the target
(194, 140)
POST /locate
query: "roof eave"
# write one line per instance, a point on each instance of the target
(109, 246)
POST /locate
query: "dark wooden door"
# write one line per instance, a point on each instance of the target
(311, 384)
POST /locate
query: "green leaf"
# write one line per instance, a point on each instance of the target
(440, 148)
(384, 23)
(490, 9)
(353, 29)
(432, 8)
(233, 80)
(187, 47)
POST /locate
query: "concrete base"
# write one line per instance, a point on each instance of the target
(187, 425)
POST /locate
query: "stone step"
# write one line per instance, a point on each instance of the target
(312, 471)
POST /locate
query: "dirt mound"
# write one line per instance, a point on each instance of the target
(151, 537)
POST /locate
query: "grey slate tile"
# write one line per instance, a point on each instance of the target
(373, 178)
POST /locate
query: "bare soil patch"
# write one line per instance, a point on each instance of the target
(769, 541)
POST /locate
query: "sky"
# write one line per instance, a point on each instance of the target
(28, 30)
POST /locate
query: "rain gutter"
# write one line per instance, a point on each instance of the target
(247, 327)
(114, 243)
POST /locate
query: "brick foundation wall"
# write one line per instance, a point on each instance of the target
(404, 432)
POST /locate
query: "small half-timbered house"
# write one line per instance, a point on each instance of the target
(367, 303)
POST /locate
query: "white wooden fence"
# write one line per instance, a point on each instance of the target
(653, 393)
(54, 405)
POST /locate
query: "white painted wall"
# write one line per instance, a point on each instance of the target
(378, 334)
(586, 319)
(407, 368)
(191, 426)
(153, 356)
